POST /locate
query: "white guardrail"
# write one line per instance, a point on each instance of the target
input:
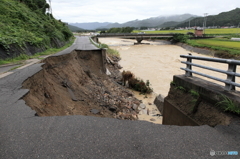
(230, 83)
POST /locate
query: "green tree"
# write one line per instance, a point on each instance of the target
(179, 38)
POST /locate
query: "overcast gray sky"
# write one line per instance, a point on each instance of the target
(125, 10)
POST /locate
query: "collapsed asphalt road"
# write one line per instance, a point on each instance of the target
(23, 135)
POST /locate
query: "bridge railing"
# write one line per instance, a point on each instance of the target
(231, 73)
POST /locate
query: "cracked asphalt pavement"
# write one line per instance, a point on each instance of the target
(24, 135)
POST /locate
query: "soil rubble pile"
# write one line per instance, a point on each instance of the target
(76, 84)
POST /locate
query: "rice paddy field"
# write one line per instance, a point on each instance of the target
(207, 31)
(219, 42)
(223, 46)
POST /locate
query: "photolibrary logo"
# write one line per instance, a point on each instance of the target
(213, 153)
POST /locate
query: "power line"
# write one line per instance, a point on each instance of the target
(51, 11)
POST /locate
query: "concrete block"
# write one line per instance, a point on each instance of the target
(159, 101)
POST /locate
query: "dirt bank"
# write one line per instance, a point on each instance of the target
(76, 84)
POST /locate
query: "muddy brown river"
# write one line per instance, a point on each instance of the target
(158, 63)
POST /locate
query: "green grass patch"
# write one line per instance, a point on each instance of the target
(228, 105)
(230, 47)
(110, 52)
(113, 52)
(181, 88)
(207, 31)
(194, 93)
(221, 43)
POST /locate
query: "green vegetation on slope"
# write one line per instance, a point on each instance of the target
(110, 52)
(25, 22)
(231, 18)
(74, 28)
(22, 57)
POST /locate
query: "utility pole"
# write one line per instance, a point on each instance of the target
(238, 28)
(189, 24)
(204, 22)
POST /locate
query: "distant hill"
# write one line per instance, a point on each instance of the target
(90, 26)
(231, 18)
(74, 28)
(150, 22)
(174, 23)
(169, 24)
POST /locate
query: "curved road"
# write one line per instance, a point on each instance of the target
(23, 135)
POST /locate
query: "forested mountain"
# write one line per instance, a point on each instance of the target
(150, 22)
(27, 28)
(231, 18)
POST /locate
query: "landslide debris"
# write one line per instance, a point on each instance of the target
(76, 84)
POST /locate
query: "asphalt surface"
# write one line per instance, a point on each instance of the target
(6, 68)
(23, 135)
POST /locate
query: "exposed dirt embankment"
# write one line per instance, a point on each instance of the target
(76, 84)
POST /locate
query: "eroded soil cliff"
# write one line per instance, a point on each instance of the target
(76, 84)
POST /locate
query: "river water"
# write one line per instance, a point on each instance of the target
(158, 63)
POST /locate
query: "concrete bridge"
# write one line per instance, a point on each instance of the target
(137, 36)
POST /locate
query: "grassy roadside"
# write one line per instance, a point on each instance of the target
(110, 52)
(23, 57)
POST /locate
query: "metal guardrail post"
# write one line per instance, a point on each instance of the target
(189, 74)
(231, 73)
(231, 68)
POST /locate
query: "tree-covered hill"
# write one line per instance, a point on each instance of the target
(74, 28)
(26, 27)
(231, 18)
